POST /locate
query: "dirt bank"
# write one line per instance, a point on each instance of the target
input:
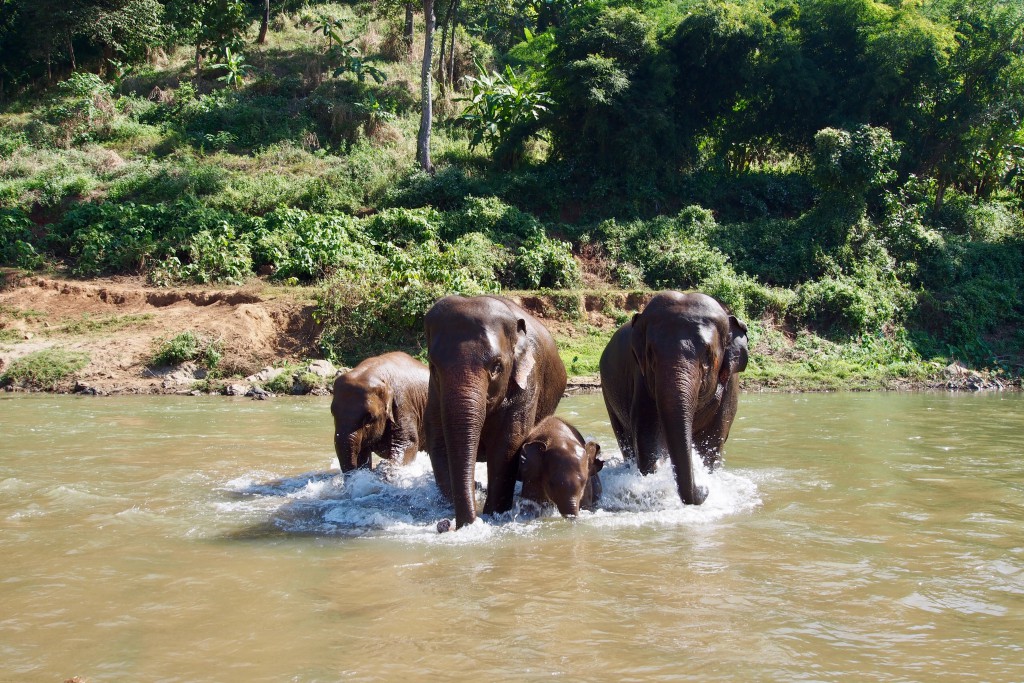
(120, 322)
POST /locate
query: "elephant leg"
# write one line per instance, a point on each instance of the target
(502, 468)
(709, 440)
(438, 453)
(622, 434)
(404, 444)
(643, 415)
(365, 458)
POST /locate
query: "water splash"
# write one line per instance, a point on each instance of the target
(404, 502)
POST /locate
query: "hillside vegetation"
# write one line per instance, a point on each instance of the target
(844, 174)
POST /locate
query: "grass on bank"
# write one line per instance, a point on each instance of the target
(44, 369)
(187, 346)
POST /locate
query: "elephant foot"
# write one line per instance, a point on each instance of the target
(700, 494)
(444, 525)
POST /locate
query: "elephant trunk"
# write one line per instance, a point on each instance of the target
(463, 420)
(569, 508)
(347, 447)
(676, 401)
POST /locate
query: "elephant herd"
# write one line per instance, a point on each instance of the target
(669, 378)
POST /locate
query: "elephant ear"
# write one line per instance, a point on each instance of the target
(593, 450)
(529, 460)
(638, 342)
(522, 365)
(386, 395)
(736, 348)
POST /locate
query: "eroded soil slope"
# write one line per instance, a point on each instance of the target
(120, 323)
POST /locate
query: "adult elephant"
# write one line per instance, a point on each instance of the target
(494, 373)
(669, 379)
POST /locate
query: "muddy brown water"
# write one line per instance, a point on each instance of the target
(848, 537)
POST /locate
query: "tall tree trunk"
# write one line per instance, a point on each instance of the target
(71, 51)
(423, 139)
(407, 35)
(440, 61)
(451, 45)
(264, 23)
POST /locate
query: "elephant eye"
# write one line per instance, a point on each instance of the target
(496, 367)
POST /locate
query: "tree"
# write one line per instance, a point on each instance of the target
(423, 139)
(209, 25)
(611, 111)
(264, 23)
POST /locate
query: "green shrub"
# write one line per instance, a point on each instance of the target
(545, 262)
(484, 260)
(445, 190)
(371, 309)
(492, 217)
(17, 241)
(980, 221)
(667, 252)
(185, 347)
(866, 301)
(304, 246)
(44, 369)
(282, 383)
(308, 381)
(403, 227)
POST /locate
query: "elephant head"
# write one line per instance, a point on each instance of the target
(363, 410)
(556, 464)
(688, 349)
(482, 356)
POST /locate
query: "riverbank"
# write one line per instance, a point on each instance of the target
(116, 336)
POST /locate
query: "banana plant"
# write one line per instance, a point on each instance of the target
(235, 66)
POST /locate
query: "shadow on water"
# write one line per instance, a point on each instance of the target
(329, 503)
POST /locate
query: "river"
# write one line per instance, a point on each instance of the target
(849, 537)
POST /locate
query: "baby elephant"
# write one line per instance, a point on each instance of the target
(378, 408)
(555, 464)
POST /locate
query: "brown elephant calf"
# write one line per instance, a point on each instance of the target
(378, 408)
(557, 465)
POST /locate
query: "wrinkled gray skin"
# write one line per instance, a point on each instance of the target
(556, 465)
(378, 408)
(494, 372)
(669, 379)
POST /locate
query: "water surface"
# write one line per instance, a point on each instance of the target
(848, 537)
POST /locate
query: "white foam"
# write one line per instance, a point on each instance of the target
(404, 502)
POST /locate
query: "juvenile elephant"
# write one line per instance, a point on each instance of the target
(378, 408)
(669, 379)
(494, 372)
(557, 465)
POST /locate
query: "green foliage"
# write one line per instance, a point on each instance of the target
(501, 105)
(185, 347)
(210, 26)
(44, 369)
(850, 163)
(668, 252)
(282, 383)
(304, 246)
(17, 241)
(382, 306)
(864, 301)
(234, 66)
(545, 262)
(348, 58)
(213, 255)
